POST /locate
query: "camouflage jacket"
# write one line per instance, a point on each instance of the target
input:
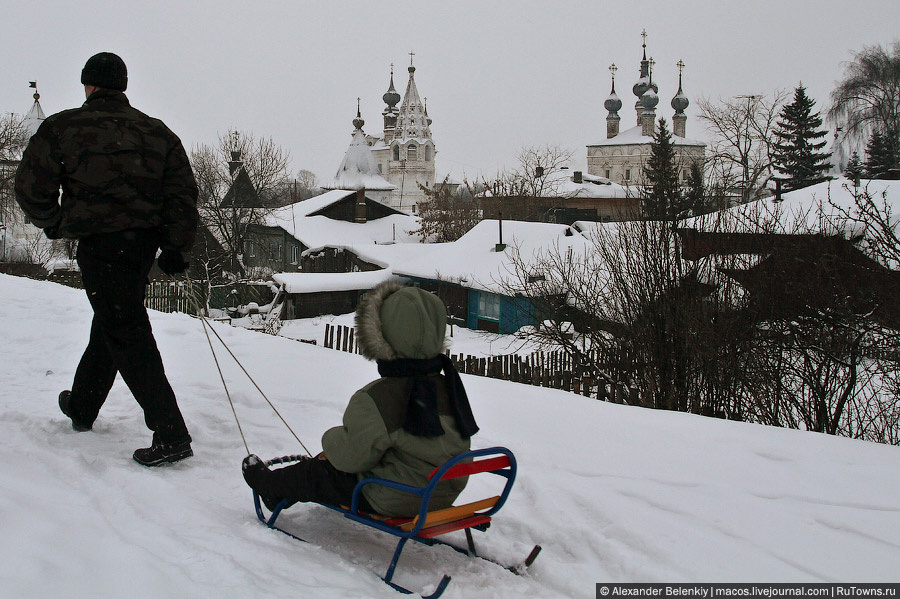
(118, 169)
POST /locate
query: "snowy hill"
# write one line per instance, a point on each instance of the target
(612, 493)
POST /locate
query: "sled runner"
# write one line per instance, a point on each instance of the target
(428, 525)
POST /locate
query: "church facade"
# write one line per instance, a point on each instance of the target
(405, 152)
(621, 156)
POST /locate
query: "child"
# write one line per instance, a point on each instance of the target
(399, 427)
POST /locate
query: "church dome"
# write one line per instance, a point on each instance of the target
(680, 102)
(650, 99)
(391, 97)
(613, 103)
(641, 87)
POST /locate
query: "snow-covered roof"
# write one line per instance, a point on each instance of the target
(635, 136)
(821, 208)
(317, 231)
(358, 169)
(472, 260)
(313, 282)
(561, 184)
(592, 186)
(828, 208)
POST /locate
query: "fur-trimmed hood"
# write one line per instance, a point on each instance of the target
(398, 321)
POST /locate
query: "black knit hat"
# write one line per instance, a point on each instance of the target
(105, 70)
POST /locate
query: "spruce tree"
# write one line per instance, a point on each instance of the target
(695, 199)
(661, 191)
(881, 157)
(855, 167)
(798, 143)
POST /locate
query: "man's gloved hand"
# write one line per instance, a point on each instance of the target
(52, 232)
(172, 262)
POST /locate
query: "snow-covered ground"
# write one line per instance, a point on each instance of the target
(612, 493)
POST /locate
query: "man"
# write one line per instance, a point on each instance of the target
(127, 191)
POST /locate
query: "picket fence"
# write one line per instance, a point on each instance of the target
(544, 369)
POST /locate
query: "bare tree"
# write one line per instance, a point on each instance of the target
(868, 98)
(517, 193)
(776, 338)
(450, 212)
(740, 156)
(306, 185)
(229, 208)
(12, 143)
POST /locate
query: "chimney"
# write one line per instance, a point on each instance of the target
(577, 178)
(360, 207)
(500, 246)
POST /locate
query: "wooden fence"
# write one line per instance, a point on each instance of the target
(544, 369)
(170, 296)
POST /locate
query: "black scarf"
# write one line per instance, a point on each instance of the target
(422, 418)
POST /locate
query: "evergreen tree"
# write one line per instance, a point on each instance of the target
(855, 167)
(798, 143)
(695, 199)
(881, 157)
(661, 191)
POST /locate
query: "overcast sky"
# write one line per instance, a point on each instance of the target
(498, 75)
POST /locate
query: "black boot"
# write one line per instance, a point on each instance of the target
(65, 398)
(163, 453)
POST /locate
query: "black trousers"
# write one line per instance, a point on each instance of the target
(114, 269)
(310, 479)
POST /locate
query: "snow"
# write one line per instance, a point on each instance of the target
(635, 135)
(358, 169)
(828, 208)
(319, 231)
(473, 261)
(820, 208)
(316, 282)
(612, 493)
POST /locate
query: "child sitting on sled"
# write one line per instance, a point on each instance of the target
(399, 427)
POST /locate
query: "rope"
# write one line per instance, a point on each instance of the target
(208, 327)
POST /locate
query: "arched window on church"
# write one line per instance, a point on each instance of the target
(412, 152)
(396, 153)
(429, 153)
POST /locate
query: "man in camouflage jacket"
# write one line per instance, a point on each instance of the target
(127, 191)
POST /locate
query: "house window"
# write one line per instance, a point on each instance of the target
(295, 254)
(251, 249)
(685, 174)
(428, 153)
(412, 152)
(396, 153)
(607, 173)
(628, 174)
(380, 170)
(489, 306)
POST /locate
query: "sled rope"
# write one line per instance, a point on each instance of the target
(224, 384)
(208, 327)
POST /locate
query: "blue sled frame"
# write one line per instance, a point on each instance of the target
(479, 521)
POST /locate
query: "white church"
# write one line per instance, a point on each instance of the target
(621, 156)
(405, 151)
